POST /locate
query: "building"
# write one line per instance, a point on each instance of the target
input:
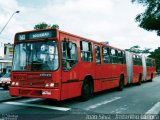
(6, 61)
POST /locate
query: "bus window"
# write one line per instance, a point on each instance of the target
(153, 63)
(106, 57)
(114, 56)
(41, 56)
(149, 63)
(137, 60)
(134, 59)
(120, 57)
(98, 56)
(86, 51)
(69, 55)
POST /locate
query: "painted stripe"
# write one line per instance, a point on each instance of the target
(152, 113)
(155, 109)
(107, 78)
(40, 106)
(74, 80)
(32, 100)
(102, 103)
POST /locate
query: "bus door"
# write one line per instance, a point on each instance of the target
(70, 81)
(98, 69)
(129, 63)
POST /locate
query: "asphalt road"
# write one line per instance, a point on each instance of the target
(133, 100)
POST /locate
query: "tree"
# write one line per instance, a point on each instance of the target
(156, 55)
(44, 25)
(136, 49)
(150, 19)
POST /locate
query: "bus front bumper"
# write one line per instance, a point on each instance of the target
(35, 92)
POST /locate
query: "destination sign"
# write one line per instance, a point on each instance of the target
(36, 35)
(45, 34)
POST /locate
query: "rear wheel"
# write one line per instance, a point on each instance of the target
(151, 77)
(121, 83)
(140, 79)
(86, 91)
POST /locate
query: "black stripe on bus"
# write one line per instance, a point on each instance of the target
(73, 80)
(106, 78)
(103, 79)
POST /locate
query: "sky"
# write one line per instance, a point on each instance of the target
(99, 20)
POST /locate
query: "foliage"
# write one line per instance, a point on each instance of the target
(44, 25)
(136, 49)
(156, 55)
(150, 19)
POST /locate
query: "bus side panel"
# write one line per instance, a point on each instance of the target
(70, 90)
(97, 85)
(72, 79)
(150, 71)
(104, 77)
(136, 72)
(116, 72)
(124, 71)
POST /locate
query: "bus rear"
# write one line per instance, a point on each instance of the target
(35, 71)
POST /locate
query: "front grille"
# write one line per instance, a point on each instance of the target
(30, 92)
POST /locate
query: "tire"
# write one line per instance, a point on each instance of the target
(86, 91)
(6, 87)
(151, 79)
(140, 79)
(121, 83)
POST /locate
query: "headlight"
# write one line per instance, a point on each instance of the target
(13, 83)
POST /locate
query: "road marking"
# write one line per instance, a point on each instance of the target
(153, 112)
(155, 109)
(120, 109)
(40, 106)
(31, 100)
(102, 103)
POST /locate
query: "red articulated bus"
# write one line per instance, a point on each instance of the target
(58, 65)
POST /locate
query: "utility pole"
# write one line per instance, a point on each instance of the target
(9, 20)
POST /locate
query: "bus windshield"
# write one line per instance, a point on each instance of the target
(36, 56)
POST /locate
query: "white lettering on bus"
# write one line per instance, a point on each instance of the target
(45, 75)
(46, 93)
(39, 35)
(22, 37)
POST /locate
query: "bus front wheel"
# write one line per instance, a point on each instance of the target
(86, 91)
